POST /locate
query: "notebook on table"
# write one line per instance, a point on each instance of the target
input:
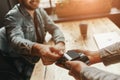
(106, 39)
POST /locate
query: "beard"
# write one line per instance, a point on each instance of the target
(31, 6)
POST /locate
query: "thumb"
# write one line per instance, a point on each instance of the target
(86, 52)
(68, 63)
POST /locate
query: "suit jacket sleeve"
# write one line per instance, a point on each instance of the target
(92, 73)
(110, 54)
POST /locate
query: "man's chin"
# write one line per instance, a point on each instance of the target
(32, 8)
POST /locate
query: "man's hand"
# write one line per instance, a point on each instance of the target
(94, 56)
(47, 53)
(75, 68)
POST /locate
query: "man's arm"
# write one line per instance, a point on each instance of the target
(107, 55)
(110, 54)
(92, 73)
(79, 69)
(51, 27)
(15, 34)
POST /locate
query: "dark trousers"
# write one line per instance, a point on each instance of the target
(7, 70)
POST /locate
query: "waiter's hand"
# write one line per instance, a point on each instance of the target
(75, 68)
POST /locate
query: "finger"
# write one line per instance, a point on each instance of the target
(79, 50)
(72, 62)
(62, 66)
(53, 49)
(57, 51)
(53, 56)
(48, 57)
(53, 53)
(73, 74)
(48, 60)
(68, 62)
(70, 73)
(86, 52)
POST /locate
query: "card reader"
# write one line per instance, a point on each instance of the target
(72, 55)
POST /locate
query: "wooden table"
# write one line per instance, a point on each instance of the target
(75, 41)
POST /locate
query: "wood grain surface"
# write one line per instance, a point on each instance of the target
(74, 40)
